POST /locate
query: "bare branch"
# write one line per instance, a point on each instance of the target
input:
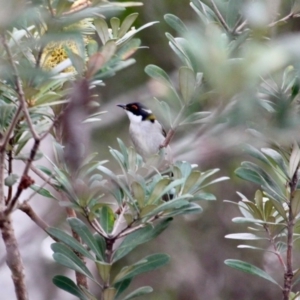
(284, 19)
(168, 138)
(13, 257)
(219, 15)
(2, 168)
(27, 209)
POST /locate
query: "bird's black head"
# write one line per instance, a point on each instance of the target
(139, 109)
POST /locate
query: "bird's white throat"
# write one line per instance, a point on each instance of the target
(133, 118)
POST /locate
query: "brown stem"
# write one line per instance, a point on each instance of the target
(13, 257)
(24, 179)
(272, 241)
(80, 278)
(9, 158)
(51, 8)
(284, 19)
(168, 138)
(288, 275)
(219, 15)
(27, 209)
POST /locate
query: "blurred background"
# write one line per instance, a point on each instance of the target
(195, 243)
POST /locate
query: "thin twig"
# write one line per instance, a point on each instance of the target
(27, 209)
(284, 19)
(272, 241)
(10, 159)
(50, 8)
(240, 27)
(219, 15)
(19, 88)
(2, 168)
(22, 185)
(168, 138)
(11, 127)
(237, 25)
(43, 176)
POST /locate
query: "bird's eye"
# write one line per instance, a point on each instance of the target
(134, 106)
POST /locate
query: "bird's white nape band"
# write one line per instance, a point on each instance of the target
(149, 111)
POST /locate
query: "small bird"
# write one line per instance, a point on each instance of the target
(145, 131)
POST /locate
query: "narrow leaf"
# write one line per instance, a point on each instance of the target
(139, 237)
(139, 292)
(175, 23)
(106, 218)
(69, 286)
(244, 236)
(69, 240)
(69, 263)
(82, 230)
(249, 268)
(66, 251)
(187, 81)
(158, 74)
(147, 264)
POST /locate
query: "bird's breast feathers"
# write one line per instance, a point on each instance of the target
(147, 136)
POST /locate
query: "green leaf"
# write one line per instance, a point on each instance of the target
(109, 293)
(69, 286)
(187, 82)
(294, 160)
(82, 230)
(115, 25)
(101, 244)
(204, 196)
(69, 263)
(277, 159)
(191, 181)
(248, 175)
(127, 23)
(102, 30)
(170, 205)
(66, 251)
(296, 203)
(195, 118)
(106, 218)
(175, 23)
(138, 193)
(249, 268)
(244, 236)
(69, 240)
(157, 191)
(122, 286)
(103, 270)
(42, 191)
(158, 74)
(147, 264)
(255, 153)
(11, 179)
(139, 292)
(161, 189)
(139, 237)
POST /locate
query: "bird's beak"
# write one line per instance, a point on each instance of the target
(122, 106)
